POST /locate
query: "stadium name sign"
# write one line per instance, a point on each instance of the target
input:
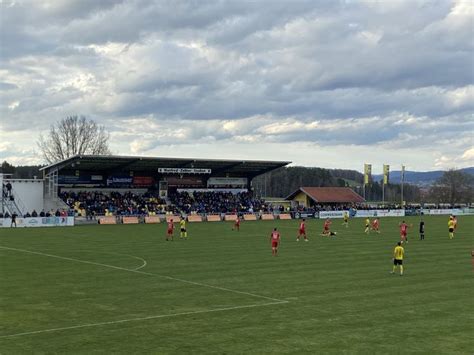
(183, 171)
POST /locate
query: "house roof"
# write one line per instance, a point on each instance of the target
(329, 194)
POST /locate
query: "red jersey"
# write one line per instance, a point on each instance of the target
(403, 228)
(375, 223)
(275, 236)
(170, 225)
(302, 226)
(327, 224)
(237, 222)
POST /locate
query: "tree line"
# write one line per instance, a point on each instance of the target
(22, 172)
(453, 187)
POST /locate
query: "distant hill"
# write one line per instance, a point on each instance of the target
(418, 177)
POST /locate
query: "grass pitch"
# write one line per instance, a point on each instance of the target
(124, 289)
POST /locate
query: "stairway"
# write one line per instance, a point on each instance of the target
(12, 203)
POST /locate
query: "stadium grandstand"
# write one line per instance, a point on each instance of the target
(124, 185)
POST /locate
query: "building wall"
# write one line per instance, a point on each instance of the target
(302, 199)
(28, 192)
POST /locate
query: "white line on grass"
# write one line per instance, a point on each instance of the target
(139, 319)
(144, 273)
(131, 256)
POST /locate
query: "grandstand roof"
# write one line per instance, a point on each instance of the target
(329, 194)
(116, 163)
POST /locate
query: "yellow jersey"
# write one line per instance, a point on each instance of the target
(398, 252)
(367, 222)
(182, 223)
(451, 224)
(346, 217)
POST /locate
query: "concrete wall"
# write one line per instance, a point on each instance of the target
(28, 192)
(301, 199)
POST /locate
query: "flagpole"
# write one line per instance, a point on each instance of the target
(383, 193)
(403, 180)
(385, 180)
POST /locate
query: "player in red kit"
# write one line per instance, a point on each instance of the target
(237, 224)
(376, 225)
(326, 228)
(302, 231)
(275, 240)
(404, 232)
(169, 233)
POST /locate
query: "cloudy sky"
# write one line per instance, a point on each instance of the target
(320, 83)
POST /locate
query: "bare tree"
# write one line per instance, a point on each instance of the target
(455, 186)
(71, 136)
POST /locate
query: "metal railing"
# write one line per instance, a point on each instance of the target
(11, 202)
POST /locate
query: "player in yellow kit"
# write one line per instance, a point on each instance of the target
(451, 226)
(398, 254)
(367, 225)
(182, 224)
(346, 220)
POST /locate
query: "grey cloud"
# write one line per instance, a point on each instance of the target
(207, 61)
(7, 86)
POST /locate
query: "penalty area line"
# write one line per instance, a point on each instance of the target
(89, 325)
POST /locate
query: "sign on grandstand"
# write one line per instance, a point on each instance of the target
(225, 181)
(183, 171)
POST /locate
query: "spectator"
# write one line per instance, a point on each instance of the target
(9, 189)
(34, 214)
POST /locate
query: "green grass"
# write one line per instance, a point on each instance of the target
(333, 295)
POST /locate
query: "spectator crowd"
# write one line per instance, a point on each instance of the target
(93, 203)
(52, 213)
(216, 202)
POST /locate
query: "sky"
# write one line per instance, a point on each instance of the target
(332, 84)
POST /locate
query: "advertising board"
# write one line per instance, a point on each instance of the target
(446, 211)
(36, 222)
(332, 214)
(362, 213)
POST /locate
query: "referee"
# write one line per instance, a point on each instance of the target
(422, 230)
